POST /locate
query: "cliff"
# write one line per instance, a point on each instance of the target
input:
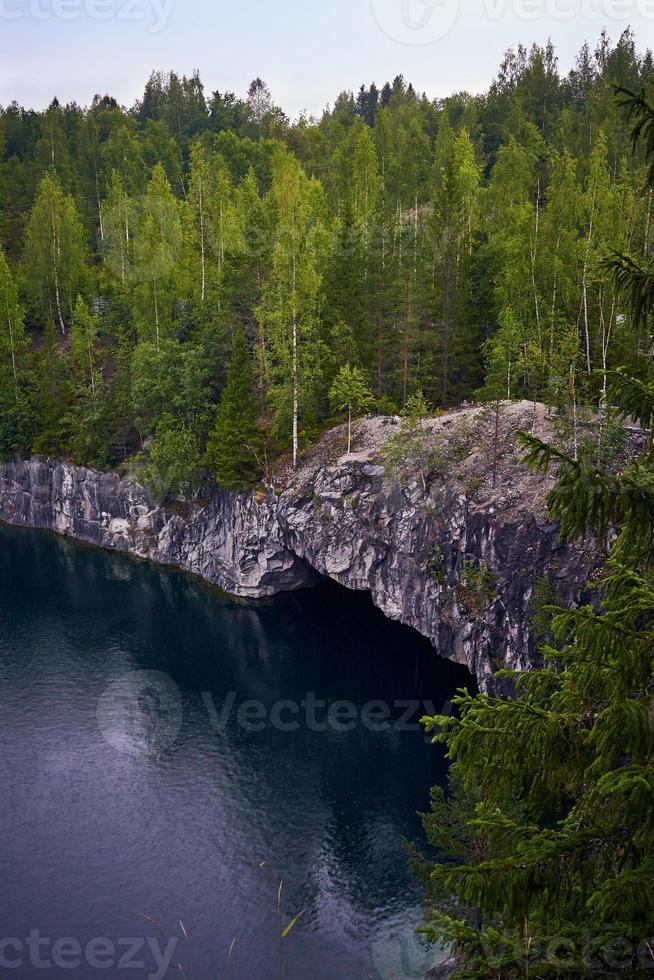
(458, 561)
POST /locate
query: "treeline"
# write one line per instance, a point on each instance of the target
(397, 246)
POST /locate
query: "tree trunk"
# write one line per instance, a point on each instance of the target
(156, 313)
(55, 269)
(202, 255)
(295, 371)
(89, 350)
(585, 286)
(606, 341)
(574, 412)
(445, 356)
(13, 351)
(534, 249)
(97, 195)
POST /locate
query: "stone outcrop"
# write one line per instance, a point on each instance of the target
(458, 561)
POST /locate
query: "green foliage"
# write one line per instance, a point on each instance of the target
(290, 298)
(542, 602)
(560, 777)
(50, 392)
(14, 407)
(234, 448)
(475, 589)
(640, 113)
(386, 406)
(173, 459)
(452, 249)
(436, 565)
(412, 451)
(417, 407)
(350, 392)
(54, 256)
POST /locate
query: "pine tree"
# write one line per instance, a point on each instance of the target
(452, 234)
(565, 885)
(234, 445)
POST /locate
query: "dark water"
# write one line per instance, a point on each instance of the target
(128, 788)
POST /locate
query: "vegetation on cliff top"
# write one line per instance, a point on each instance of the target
(433, 247)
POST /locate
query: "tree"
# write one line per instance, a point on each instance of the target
(87, 419)
(118, 229)
(197, 223)
(414, 448)
(173, 459)
(234, 445)
(13, 356)
(501, 355)
(12, 331)
(259, 103)
(289, 304)
(565, 885)
(84, 331)
(54, 257)
(248, 265)
(49, 395)
(350, 391)
(453, 228)
(157, 249)
(170, 378)
(122, 153)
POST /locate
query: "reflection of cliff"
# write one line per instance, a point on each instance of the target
(181, 829)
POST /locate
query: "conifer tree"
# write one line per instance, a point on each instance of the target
(564, 771)
(234, 445)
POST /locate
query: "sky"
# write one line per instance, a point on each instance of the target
(306, 50)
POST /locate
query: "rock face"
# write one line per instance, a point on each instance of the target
(457, 561)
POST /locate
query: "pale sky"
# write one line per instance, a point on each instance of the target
(306, 51)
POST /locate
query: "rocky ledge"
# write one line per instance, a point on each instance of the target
(458, 560)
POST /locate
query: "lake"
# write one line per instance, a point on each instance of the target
(169, 755)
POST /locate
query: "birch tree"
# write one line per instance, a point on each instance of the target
(54, 256)
(290, 302)
(157, 248)
(118, 229)
(13, 352)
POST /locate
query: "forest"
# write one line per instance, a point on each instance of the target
(198, 285)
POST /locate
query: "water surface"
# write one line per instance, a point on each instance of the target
(136, 781)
